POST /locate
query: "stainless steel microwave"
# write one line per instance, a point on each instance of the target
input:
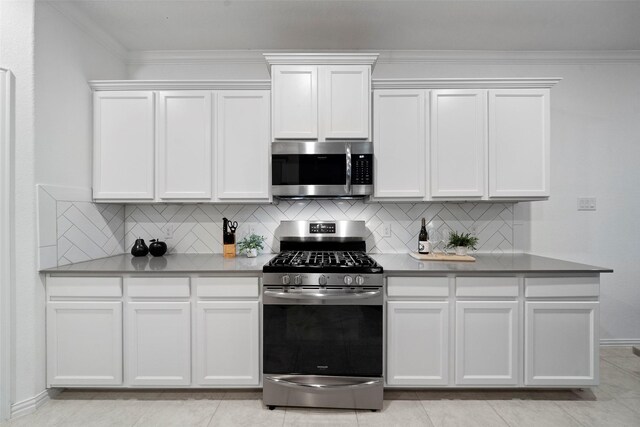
(321, 169)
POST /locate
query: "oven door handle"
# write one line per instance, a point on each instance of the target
(368, 382)
(318, 296)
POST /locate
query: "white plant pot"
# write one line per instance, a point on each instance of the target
(461, 250)
(252, 253)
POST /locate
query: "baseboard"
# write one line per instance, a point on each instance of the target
(619, 342)
(30, 405)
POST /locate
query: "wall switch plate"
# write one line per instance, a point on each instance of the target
(586, 203)
(386, 229)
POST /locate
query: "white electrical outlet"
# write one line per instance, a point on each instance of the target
(168, 231)
(386, 229)
(586, 203)
(252, 229)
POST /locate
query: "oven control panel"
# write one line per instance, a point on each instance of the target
(322, 227)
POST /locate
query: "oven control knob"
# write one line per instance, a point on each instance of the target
(359, 280)
(297, 280)
(322, 280)
(348, 280)
(286, 279)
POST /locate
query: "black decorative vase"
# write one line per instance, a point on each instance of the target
(139, 248)
(157, 248)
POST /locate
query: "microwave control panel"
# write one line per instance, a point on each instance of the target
(322, 227)
(361, 169)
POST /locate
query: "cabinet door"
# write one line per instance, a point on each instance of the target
(345, 101)
(399, 143)
(242, 143)
(228, 339)
(561, 343)
(123, 145)
(184, 144)
(458, 143)
(519, 143)
(417, 343)
(295, 101)
(84, 343)
(487, 342)
(158, 350)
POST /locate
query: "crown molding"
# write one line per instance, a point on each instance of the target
(105, 85)
(389, 57)
(333, 58)
(481, 83)
(89, 27)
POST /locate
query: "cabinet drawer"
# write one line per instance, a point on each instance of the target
(418, 287)
(158, 287)
(225, 287)
(84, 287)
(487, 287)
(536, 287)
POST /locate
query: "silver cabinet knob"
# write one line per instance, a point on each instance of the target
(297, 280)
(359, 280)
(286, 279)
(322, 280)
(348, 280)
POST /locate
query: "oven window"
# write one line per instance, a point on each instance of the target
(309, 169)
(323, 340)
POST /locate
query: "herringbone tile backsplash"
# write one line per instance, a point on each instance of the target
(198, 228)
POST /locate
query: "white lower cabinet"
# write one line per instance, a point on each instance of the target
(84, 343)
(228, 343)
(158, 343)
(487, 343)
(561, 343)
(417, 343)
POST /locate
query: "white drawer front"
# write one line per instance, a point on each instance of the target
(158, 287)
(536, 287)
(60, 287)
(227, 287)
(418, 287)
(487, 287)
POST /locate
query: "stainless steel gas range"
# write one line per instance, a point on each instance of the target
(323, 318)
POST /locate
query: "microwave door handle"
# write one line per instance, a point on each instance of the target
(347, 186)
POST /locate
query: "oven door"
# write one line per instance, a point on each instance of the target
(311, 169)
(326, 335)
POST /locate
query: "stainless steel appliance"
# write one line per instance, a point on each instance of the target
(321, 169)
(323, 318)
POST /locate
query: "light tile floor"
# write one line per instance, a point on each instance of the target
(616, 402)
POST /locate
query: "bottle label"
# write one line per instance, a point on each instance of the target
(424, 247)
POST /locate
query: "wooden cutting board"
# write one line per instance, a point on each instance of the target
(442, 257)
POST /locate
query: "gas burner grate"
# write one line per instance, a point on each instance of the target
(322, 259)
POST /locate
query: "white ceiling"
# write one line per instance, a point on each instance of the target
(386, 25)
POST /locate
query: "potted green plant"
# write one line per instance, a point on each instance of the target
(462, 242)
(251, 244)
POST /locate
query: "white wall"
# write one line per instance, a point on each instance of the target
(66, 58)
(595, 114)
(51, 60)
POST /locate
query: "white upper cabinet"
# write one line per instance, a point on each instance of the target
(184, 144)
(400, 144)
(519, 146)
(242, 154)
(345, 106)
(123, 152)
(295, 102)
(321, 96)
(458, 143)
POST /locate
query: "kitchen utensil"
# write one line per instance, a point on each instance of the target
(233, 226)
(439, 256)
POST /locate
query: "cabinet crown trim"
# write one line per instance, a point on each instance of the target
(105, 85)
(465, 83)
(321, 59)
